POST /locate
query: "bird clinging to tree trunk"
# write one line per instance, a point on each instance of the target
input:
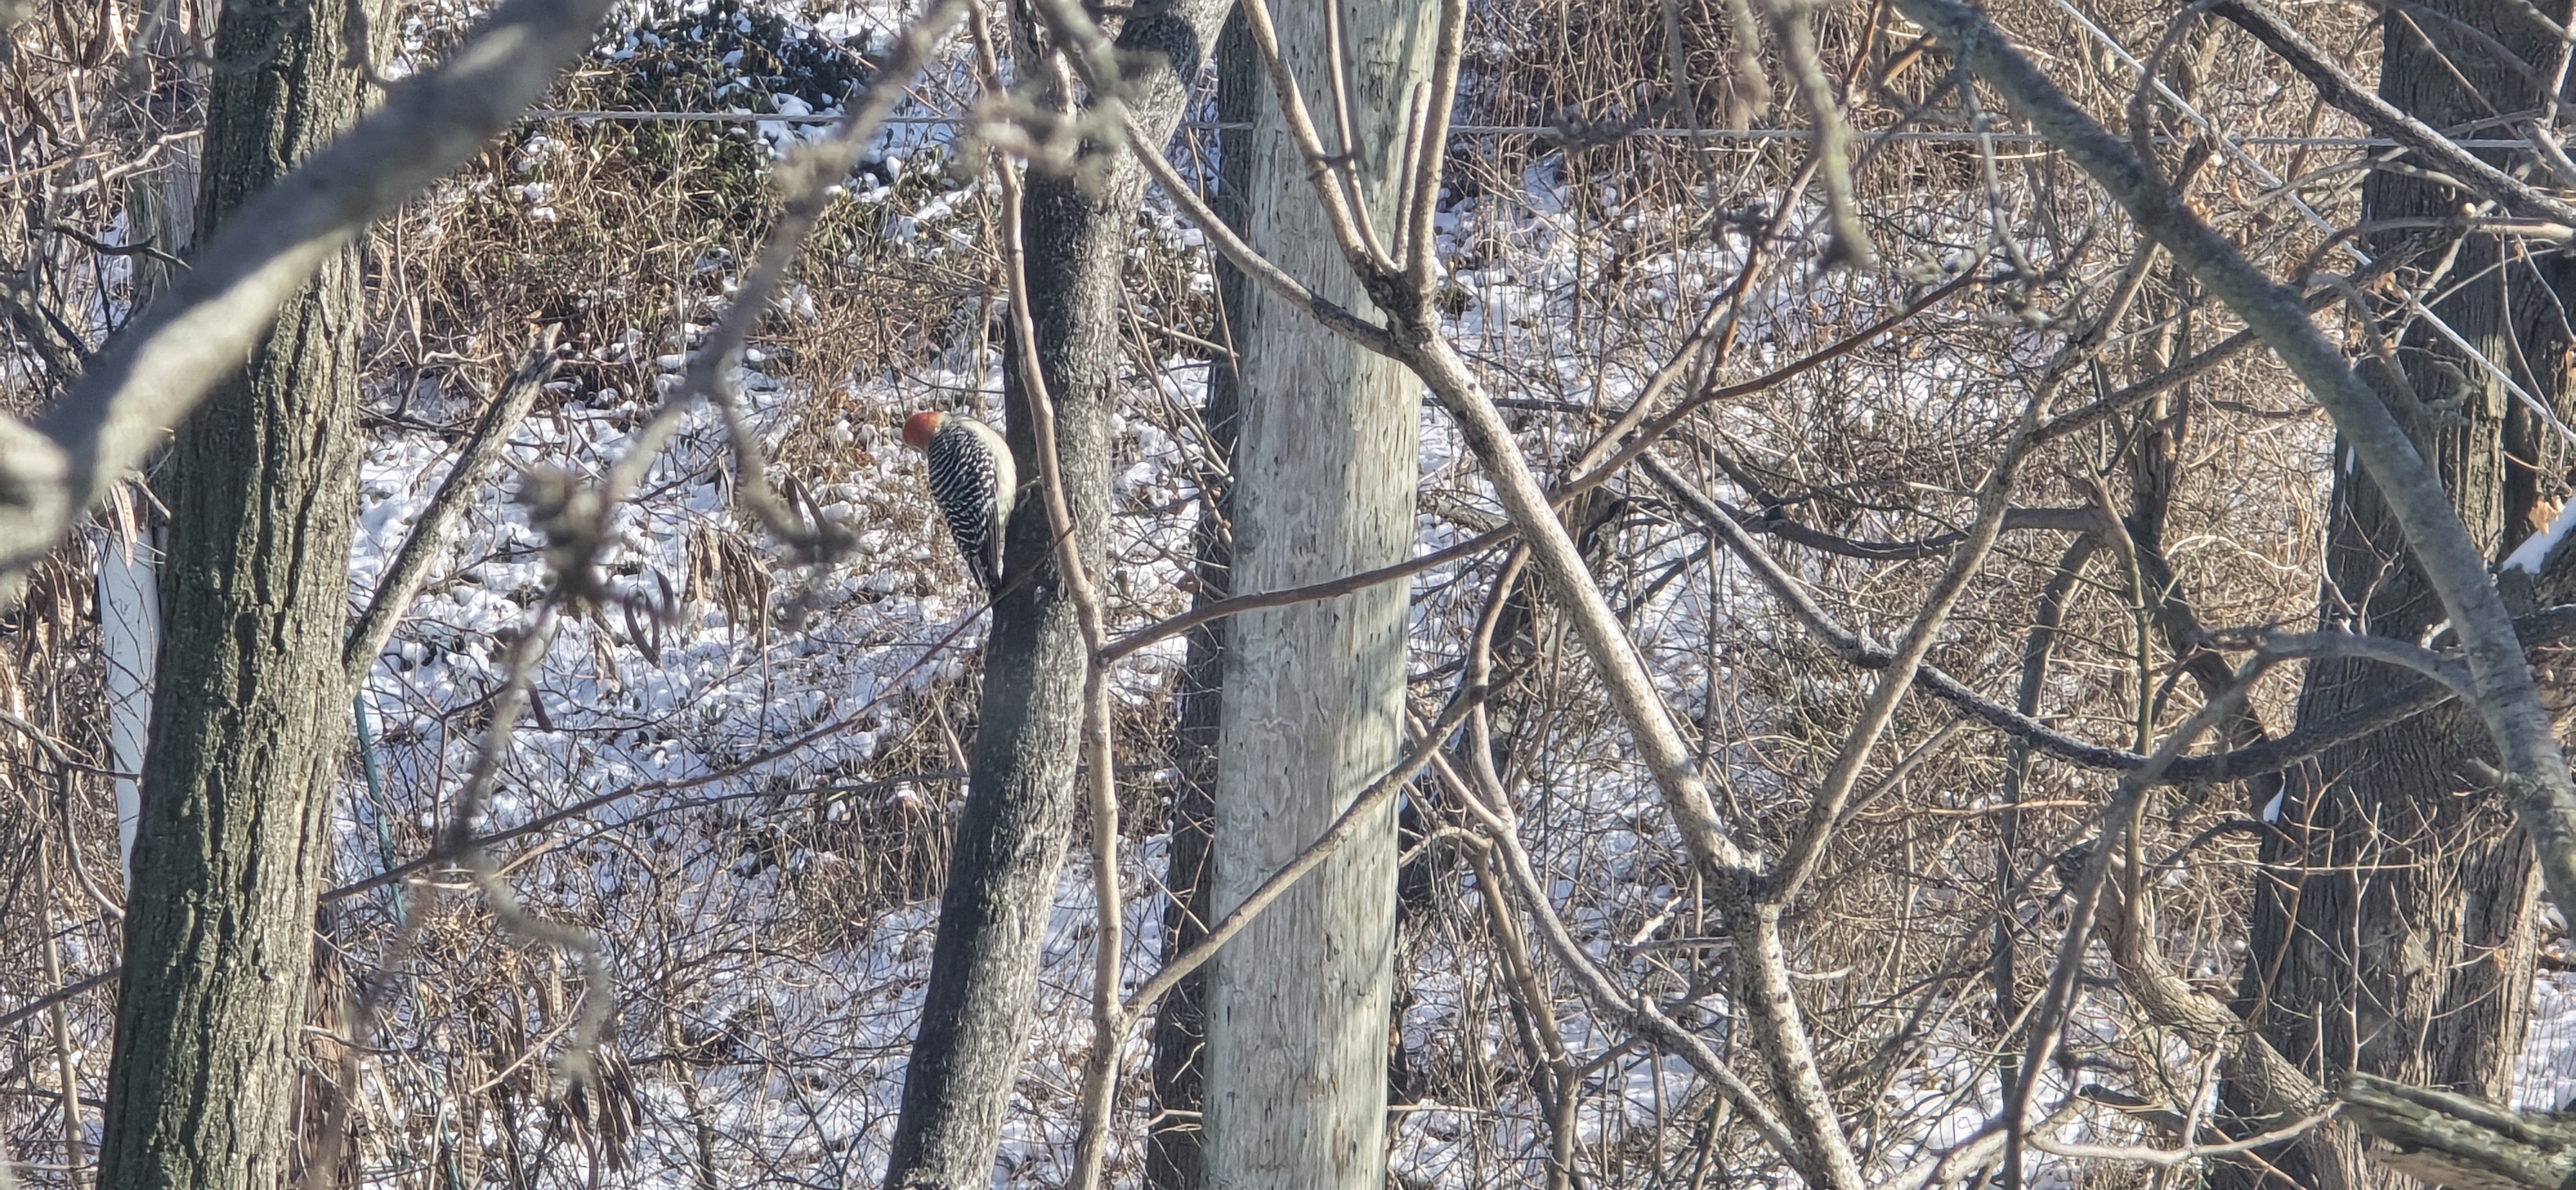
(974, 481)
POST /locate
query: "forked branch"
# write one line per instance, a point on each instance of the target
(2537, 782)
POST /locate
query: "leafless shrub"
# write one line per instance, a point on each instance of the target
(768, 925)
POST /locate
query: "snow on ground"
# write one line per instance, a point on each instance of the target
(2545, 1078)
(750, 736)
(684, 700)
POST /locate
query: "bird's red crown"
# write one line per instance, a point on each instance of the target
(918, 428)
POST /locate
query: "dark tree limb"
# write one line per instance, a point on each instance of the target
(1174, 1153)
(2398, 705)
(1018, 820)
(1775, 522)
(249, 713)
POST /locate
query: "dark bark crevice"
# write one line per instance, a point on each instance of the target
(251, 710)
(2391, 931)
(1173, 1159)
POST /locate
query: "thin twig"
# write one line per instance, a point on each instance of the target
(812, 179)
(2537, 782)
(1073, 574)
(1637, 1012)
(1424, 751)
(2142, 1155)
(1166, 629)
(1799, 861)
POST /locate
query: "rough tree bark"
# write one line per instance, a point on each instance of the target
(251, 709)
(1173, 1153)
(2391, 930)
(1314, 694)
(2442, 1139)
(1019, 804)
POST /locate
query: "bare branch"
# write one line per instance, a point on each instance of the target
(2448, 1139)
(2166, 1158)
(1339, 214)
(1652, 431)
(1254, 265)
(68, 991)
(2095, 887)
(1431, 151)
(2352, 98)
(1100, 1069)
(1636, 1012)
(151, 375)
(1799, 861)
(1424, 752)
(813, 180)
(2397, 706)
(1862, 653)
(2446, 670)
(401, 581)
(2198, 365)
(1166, 629)
(2537, 781)
(1793, 30)
(1346, 165)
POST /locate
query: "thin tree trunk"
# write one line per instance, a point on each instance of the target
(1019, 805)
(1173, 1156)
(1326, 465)
(250, 709)
(129, 628)
(66, 1056)
(2391, 929)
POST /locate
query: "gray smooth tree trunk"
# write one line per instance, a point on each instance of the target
(250, 710)
(1010, 844)
(1325, 468)
(1173, 1154)
(2392, 930)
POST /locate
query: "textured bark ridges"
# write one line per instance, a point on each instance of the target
(2442, 1139)
(1019, 805)
(2391, 933)
(1298, 1004)
(251, 711)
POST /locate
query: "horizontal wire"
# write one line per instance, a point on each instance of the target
(1559, 132)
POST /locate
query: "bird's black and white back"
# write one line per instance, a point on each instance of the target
(973, 479)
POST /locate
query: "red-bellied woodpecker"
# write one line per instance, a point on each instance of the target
(972, 477)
